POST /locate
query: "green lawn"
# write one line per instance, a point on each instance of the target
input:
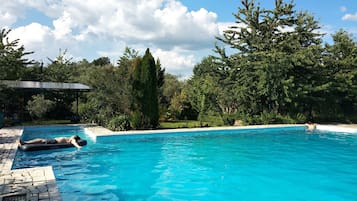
(163, 125)
(45, 122)
(181, 124)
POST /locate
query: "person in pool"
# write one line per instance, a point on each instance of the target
(310, 126)
(71, 140)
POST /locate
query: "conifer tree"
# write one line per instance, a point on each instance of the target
(145, 93)
(273, 50)
(12, 61)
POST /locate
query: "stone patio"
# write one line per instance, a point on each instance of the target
(29, 184)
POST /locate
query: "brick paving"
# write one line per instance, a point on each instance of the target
(29, 184)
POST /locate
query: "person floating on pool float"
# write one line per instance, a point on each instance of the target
(310, 126)
(72, 140)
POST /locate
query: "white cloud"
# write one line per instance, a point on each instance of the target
(343, 9)
(63, 25)
(6, 18)
(32, 34)
(38, 38)
(350, 17)
(93, 28)
(51, 8)
(222, 26)
(9, 13)
(176, 62)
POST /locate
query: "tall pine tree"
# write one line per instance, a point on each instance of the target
(12, 62)
(277, 52)
(145, 93)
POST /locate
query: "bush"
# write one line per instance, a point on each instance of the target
(136, 120)
(119, 123)
(301, 118)
(270, 118)
(39, 106)
(213, 119)
(86, 112)
(228, 120)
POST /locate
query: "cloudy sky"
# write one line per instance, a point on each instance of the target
(179, 32)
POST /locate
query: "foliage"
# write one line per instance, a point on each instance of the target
(109, 97)
(45, 122)
(39, 106)
(136, 119)
(119, 123)
(12, 61)
(61, 69)
(267, 118)
(101, 61)
(13, 66)
(163, 104)
(340, 62)
(177, 105)
(228, 120)
(111, 89)
(275, 70)
(145, 92)
(167, 92)
(87, 112)
(211, 119)
(181, 124)
(270, 67)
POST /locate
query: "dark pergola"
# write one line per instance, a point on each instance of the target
(34, 85)
(47, 86)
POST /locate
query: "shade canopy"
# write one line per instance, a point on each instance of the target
(34, 85)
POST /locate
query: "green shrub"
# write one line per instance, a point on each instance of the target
(228, 120)
(136, 119)
(119, 123)
(301, 118)
(213, 119)
(270, 118)
(86, 112)
(39, 106)
(286, 119)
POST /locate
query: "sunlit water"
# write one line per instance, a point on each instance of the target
(259, 164)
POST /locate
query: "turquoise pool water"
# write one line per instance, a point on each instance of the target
(256, 164)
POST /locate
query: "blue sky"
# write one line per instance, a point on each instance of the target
(179, 32)
(330, 13)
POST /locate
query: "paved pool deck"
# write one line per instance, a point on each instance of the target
(28, 184)
(39, 184)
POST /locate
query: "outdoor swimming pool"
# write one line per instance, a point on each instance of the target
(255, 164)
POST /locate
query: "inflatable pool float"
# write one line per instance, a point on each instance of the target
(43, 146)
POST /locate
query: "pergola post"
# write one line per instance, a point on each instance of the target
(77, 97)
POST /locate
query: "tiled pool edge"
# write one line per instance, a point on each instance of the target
(97, 131)
(35, 183)
(338, 128)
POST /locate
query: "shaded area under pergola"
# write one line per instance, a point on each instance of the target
(38, 87)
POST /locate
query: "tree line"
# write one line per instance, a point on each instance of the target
(270, 67)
